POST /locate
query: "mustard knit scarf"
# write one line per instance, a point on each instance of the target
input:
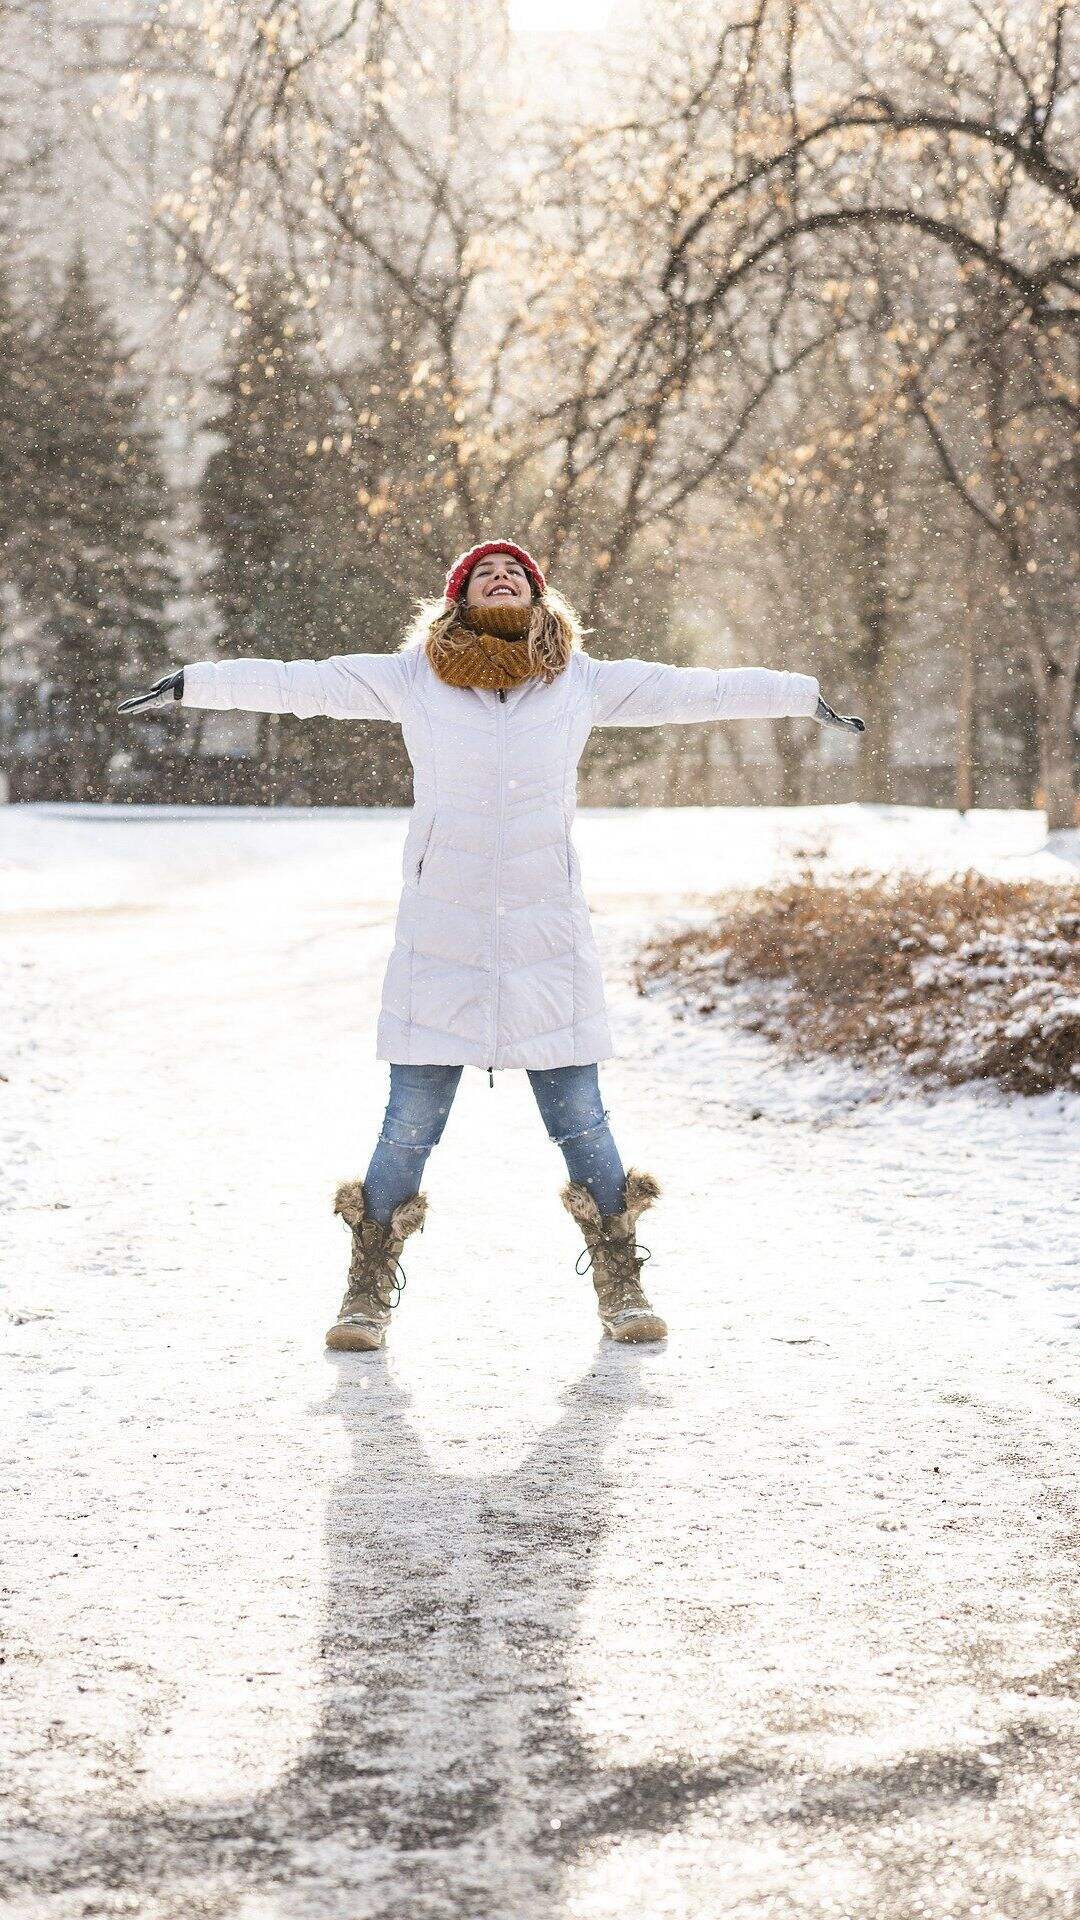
(489, 649)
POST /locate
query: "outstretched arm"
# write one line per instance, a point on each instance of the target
(643, 693)
(348, 686)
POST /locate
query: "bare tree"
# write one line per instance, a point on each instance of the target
(950, 140)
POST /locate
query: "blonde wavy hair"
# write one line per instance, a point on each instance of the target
(555, 632)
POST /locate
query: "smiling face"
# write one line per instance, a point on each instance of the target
(498, 580)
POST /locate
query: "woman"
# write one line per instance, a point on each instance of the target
(493, 962)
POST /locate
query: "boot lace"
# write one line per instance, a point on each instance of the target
(619, 1273)
(395, 1282)
(384, 1281)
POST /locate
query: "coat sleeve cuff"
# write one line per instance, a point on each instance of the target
(202, 685)
(805, 692)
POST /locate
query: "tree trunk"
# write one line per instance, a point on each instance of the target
(967, 695)
(873, 777)
(790, 752)
(75, 781)
(267, 751)
(965, 710)
(1054, 705)
(671, 764)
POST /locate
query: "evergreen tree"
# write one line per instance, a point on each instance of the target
(95, 560)
(289, 576)
(19, 408)
(258, 495)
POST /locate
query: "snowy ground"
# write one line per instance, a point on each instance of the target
(779, 1620)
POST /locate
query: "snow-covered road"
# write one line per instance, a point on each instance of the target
(779, 1620)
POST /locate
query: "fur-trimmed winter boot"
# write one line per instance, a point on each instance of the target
(615, 1258)
(375, 1276)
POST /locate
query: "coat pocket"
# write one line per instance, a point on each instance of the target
(423, 851)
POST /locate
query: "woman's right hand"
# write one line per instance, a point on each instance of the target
(171, 687)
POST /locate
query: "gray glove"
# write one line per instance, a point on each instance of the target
(827, 718)
(171, 687)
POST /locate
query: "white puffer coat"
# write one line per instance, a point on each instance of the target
(494, 962)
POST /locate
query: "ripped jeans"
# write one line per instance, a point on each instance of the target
(416, 1113)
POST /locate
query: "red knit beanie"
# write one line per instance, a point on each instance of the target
(459, 573)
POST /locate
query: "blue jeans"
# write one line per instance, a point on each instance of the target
(416, 1113)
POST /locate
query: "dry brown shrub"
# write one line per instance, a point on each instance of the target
(957, 980)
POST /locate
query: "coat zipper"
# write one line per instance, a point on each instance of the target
(495, 973)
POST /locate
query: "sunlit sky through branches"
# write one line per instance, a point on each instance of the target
(559, 16)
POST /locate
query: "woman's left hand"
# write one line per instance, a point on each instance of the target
(827, 718)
